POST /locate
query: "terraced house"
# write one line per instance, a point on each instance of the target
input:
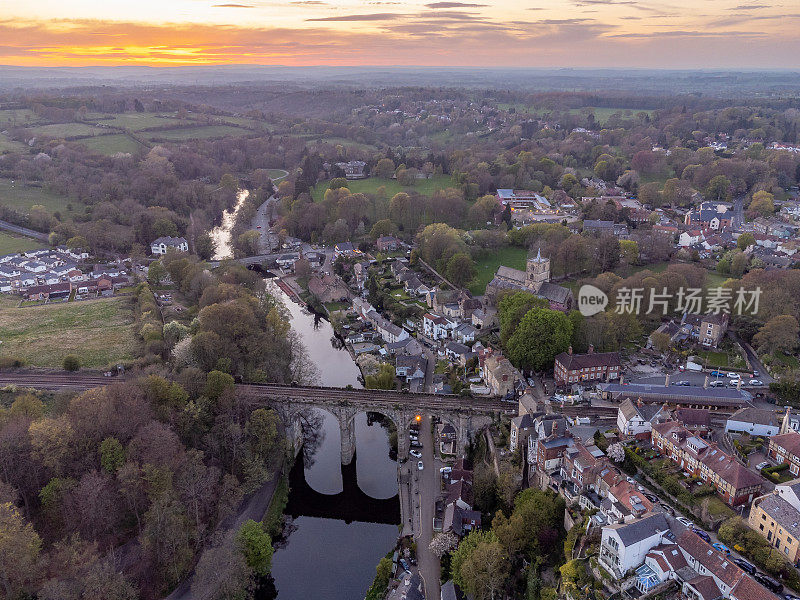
(701, 458)
(785, 448)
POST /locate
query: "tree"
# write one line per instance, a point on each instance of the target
(19, 551)
(779, 334)
(629, 251)
(719, 188)
(616, 452)
(661, 341)
(512, 307)
(762, 204)
(71, 363)
(460, 269)
(222, 574)
(112, 455)
(247, 243)
(382, 228)
(255, 545)
(384, 168)
(78, 242)
(443, 543)
(204, 246)
(745, 240)
(541, 335)
(383, 380)
(484, 570)
(217, 383)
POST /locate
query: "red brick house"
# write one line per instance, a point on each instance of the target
(593, 366)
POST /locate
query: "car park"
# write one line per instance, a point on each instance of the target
(420, 466)
(702, 534)
(769, 582)
(745, 566)
(415, 453)
(722, 548)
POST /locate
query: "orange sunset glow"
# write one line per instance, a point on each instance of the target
(595, 33)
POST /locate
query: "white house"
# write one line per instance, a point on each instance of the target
(636, 419)
(755, 421)
(436, 327)
(464, 333)
(162, 244)
(624, 545)
(690, 238)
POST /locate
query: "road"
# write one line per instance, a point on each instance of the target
(268, 242)
(428, 487)
(38, 235)
(738, 213)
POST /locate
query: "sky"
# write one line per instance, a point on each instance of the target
(685, 34)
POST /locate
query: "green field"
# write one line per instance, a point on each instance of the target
(314, 139)
(100, 332)
(111, 144)
(202, 132)
(136, 121)
(371, 184)
(17, 117)
(277, 174)
(486, 267)
(11, 243)
(65, 130)
(9, 145)
(21, 197)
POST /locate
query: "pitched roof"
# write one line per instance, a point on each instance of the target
(573, 362)
(789, 441)
(693, 416)
(641, 529)
(783, 513)
(757, 416)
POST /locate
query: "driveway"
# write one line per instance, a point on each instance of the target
(428, 484)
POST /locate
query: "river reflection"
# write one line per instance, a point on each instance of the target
(324, 557)
(222, 234)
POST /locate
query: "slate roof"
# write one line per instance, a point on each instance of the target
(789, 441)
(572, 362)
(641, 529)
(784, 513)
(757, 416)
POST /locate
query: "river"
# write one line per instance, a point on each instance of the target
(222, 233)
(328, 557)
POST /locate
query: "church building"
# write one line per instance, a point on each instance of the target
(535, 279)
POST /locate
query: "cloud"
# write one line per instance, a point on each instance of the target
(231, 6)
(604, 2)
(454, 5)
(310, 3)
(367, 17)
(749, 6)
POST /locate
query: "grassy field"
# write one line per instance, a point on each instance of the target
(136, 121)
(10, 243)
(277, 174)
(111, 144)
(202, 132)
(314, 138)
(21, 197)
(65, 130)
(17, 117)
(100, 332)
(9, 145)
(486, 267)
(371, 184)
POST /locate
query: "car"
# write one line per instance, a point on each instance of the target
(717, 384)
(446, 470)
(721, 547)
(415, 453)
(630, 480)
(258, 226)
(685, 521)
(769, 582)
(756, 373)
(641, 488)
(413, 438)
(756, 382)
(681, 383)
(652, 497)
(667, 508)
(745, 566)
(717, 374)
(702, 534)
(415, 445)
(404, 564)
(420, 466)
(790, 597)
(762, 465)
(733, 375)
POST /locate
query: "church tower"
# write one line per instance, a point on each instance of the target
(538, 270)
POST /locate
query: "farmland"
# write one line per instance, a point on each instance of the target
(486, 266)
(136, 121)
(65, 130)
(100, 332)
(202, 132)
(111, 144)
(22, 197)
(369, 186)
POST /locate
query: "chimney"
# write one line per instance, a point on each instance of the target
(622, 379)
(569, 350)
(639, 402)
(554, 427)
(591, 348)
(705, 385)
(666, 380)
(786, 422)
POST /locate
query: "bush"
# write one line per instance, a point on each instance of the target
(71, 363)
(9, 362)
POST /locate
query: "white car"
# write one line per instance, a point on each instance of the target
(445, 470)
(756, 382)
(420, 466)
(415, 453)
(685, 521)
(762, 465)
(733, 375)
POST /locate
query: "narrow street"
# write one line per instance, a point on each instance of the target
(427, 485)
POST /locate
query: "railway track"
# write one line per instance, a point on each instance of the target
(261, 392)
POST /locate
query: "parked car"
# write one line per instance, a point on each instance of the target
(790, 597)
(756, 373)
(415, 445)
(745, 566)
(667, 508)
(685, 521)
(717, 374)
(762, 465)
(702, 534)
(415, 453)
(717, 384)
(652, 497)
(682, 383)
(733, 375)
(722, 548)
(756, 382)
(631, 480)
(404, 564)
(769, 582)
(445, 470)
(420, 466)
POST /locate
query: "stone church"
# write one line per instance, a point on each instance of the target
(534, 279)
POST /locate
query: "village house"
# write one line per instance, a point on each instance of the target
(734, 483)
(411, 367)
(709, 215)
(346, 250)
(754, 421)
(500, 375)
(162, 244)
(388, 243)
(784, 448)
(593, 366)
(635, 419)
(353, 169)
(776, 517)
(436, 327)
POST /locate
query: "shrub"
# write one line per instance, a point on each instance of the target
(9, 362)
(71, 363)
